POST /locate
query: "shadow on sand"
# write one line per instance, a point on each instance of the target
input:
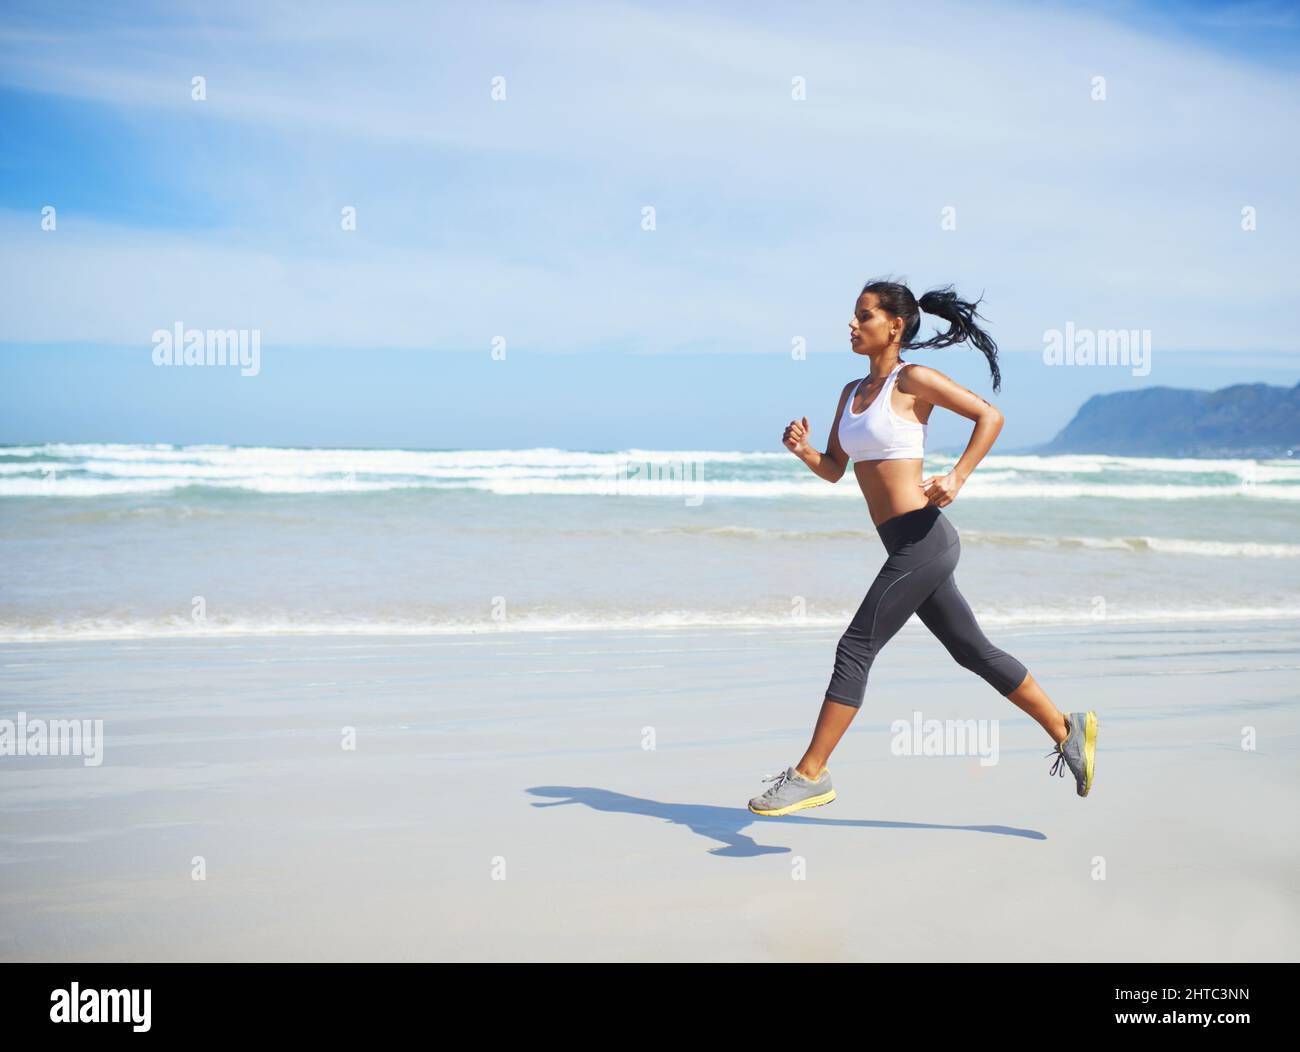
(727, 824)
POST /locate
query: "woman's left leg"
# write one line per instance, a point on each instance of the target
(1030, 697)
(947, 614)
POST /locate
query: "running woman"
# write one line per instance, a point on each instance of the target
(880, 427)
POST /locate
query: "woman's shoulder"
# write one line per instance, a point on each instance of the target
(919, 371)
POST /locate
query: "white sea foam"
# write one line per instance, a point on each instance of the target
(106, 470)
(180, 628)
(515, 485)
(1097, 464)
(974, 538)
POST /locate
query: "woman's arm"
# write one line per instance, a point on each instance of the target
(930, 385)
(831, 464)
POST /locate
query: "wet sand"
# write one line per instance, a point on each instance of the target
(581, 796)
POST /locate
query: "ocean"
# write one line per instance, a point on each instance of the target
(103, 541)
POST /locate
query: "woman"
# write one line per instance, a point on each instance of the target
(880, 425)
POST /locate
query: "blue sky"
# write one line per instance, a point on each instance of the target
(521, 219)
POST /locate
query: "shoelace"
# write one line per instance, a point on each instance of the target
(780, 780)
(1060, 765)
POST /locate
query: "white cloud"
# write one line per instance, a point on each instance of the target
(520, 218)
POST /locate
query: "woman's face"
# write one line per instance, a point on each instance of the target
(872, 329)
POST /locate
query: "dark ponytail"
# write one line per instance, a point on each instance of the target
(898, 300)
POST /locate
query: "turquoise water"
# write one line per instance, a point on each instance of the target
(146, 541)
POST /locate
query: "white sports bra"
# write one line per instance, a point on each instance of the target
(879, 433)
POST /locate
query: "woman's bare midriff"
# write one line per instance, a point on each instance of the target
(892, 487)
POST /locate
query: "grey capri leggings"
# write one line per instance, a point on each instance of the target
(917, 578)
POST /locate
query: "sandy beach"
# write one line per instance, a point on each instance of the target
(503, 803)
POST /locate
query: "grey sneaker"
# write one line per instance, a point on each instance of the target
(1078, 751)
(793, 792)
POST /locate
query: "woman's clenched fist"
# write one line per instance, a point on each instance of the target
(796, 436)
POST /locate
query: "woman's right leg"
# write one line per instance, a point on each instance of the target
(904, 581)
(832, 722)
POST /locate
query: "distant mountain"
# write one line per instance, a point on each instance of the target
(1245, 420)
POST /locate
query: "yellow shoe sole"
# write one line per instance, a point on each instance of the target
(1089, 751)
(812, 801)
